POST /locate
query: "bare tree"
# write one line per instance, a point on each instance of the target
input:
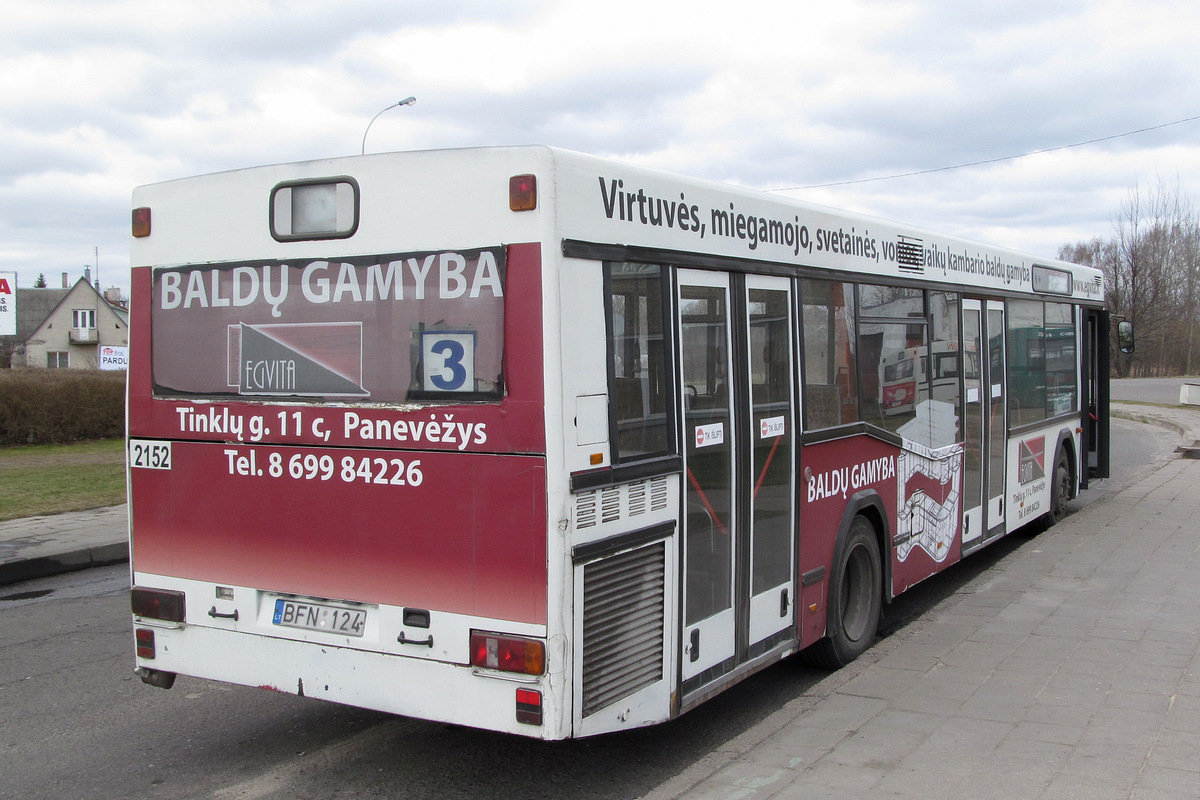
(1190, 251)
(1152, 274)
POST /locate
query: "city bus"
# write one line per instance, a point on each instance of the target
(905, 378)
(542, 443)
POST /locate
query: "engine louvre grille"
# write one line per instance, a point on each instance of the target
(623, 601)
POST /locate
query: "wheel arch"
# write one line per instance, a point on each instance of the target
(869, 504)
(1066, 443)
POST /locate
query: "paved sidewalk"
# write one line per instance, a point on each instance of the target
(39, 546)
(1184, 420)
(1071, 669)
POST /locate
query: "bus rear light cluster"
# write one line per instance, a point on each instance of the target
(145, 642)
(157, 604)
(522, 192)
(141, 222)
(529, 706)
(508, 653)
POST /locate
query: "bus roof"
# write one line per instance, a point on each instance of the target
(594, 205)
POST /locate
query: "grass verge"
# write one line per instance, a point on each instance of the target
(48, 479)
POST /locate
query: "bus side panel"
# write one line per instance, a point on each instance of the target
(928, 529)
(462, 532)
(921, 497)
(832, 473)
(1032, 459)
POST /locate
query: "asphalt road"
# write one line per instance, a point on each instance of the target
(76, 722)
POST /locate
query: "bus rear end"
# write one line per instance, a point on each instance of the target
(337, 437)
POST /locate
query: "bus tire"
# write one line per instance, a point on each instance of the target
(855, 597)
(1060, 488)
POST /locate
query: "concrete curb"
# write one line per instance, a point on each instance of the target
(1149, 419)
(1155, 415)
(82, 558)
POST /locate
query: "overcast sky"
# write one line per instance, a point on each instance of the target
(97, 97)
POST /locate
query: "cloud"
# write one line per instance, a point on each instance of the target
(103, 95)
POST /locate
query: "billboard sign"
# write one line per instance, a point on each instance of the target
(8, 304)
(115, 358)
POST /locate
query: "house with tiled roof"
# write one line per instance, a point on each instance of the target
(74, 327)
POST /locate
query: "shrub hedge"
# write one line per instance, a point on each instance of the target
(51, 406)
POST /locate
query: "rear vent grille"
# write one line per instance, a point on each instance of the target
(658, 494)
(585, 510)
(610, 504)
(616, 503)
(637, 498)
(623, 599)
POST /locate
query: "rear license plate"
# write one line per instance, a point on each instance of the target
(324, 617)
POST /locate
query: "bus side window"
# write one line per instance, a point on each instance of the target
(1061, 389)
(1026, 362)
(892, 340)
(944, 382)
(638, 383)
(830, 369)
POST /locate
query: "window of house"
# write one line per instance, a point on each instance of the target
(57, 360)
(83, 318)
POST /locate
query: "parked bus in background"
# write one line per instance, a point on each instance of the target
(536, 442)
(906, 379)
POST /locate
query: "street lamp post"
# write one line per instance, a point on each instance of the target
(408, 101)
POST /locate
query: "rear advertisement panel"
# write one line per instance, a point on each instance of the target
(408, 350)
(456, 532)
(363, 429)
(389, 328)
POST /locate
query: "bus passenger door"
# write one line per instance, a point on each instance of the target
(997, 418)
(709, 438)
(985, 421)
(974, 420)
(1095, 385)
(769, 486)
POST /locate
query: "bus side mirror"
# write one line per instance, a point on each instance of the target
(1125, 336)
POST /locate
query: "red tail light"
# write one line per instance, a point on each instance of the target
(529, 706)
(157, 604)
(145, 642)
(508, 653)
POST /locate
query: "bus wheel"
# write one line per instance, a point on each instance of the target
(855, 597)
(1060, 488)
